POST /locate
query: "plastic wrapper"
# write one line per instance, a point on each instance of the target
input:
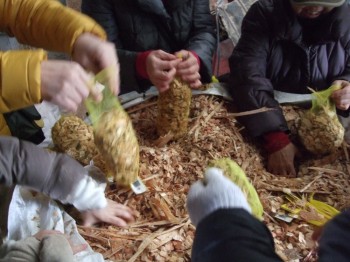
(114, 135)
(319, 128)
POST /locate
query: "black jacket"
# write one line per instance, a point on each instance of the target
(279, 51)
(234, 235)
(141, 25)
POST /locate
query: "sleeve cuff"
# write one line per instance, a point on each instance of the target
(88, 195)
(141, 69)
(275, 141)
(197, 57)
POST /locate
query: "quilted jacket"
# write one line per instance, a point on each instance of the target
(274, 52)
(39, 23)
(141, 25)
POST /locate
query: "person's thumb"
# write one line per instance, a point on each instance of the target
(214, 176)
(196, 190)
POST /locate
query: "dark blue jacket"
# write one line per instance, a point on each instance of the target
(279, 51)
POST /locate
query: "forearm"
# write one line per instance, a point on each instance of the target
(23, 250)
(203, 39)
(19, 92)
(56, 175)
(61, 28)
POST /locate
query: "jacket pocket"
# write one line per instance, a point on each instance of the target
(23, 124)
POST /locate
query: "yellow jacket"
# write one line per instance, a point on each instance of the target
(39, 23)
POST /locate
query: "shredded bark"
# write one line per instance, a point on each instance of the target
(163, 231)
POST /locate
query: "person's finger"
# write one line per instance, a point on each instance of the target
(213, 173)
(166, 56)
(196, 188)
(196, 84)
(162, 88)
(78, 248)
(43, 233)
(164, 76)
(117, 221)
(189, 64)
(191, 78)
(165, 65)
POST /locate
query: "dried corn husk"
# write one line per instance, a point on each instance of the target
(319, 128)
(173, 109)
(114, 135)
(71, 135)
(312, 211)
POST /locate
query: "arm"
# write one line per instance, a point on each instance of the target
(56, 175)
(42, 246)
(52, 26)
(61, 178)
(202, 40)
(226, 230)
(102, 12)
(249, 83)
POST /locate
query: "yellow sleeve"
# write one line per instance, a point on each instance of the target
(45, 24)
(20, 78)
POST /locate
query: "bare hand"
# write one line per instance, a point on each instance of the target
(161, 68)
(188, 69)
(114, 213)
(282, 162)
(64, 83)
(341, 97)
(44, 233)
(94, 54)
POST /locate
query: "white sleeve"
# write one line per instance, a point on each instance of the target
(88, 194)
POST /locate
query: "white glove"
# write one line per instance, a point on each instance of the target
(215, 192)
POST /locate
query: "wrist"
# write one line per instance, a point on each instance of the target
(197, 57)
(88, 195)
(141, 66)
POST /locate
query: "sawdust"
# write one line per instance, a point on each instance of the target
(163, 231)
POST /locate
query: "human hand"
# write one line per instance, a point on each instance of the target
(47, 233)
(282, 162)
(341, 97)
(161, 68)
(214, 192)
(64, 83)
(188, 69)
(114, 213)
(95, 54)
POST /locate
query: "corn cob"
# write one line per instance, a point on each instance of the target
(114, 135)
(233, 171)
(117, 142)
(319, 128)
(71, 135)
(174, 109)
(320, 133)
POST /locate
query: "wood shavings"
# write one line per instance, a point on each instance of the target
(163, 232)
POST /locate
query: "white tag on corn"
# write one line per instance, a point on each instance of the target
(138, 186)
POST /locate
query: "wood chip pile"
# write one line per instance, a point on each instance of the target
(163, 231)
